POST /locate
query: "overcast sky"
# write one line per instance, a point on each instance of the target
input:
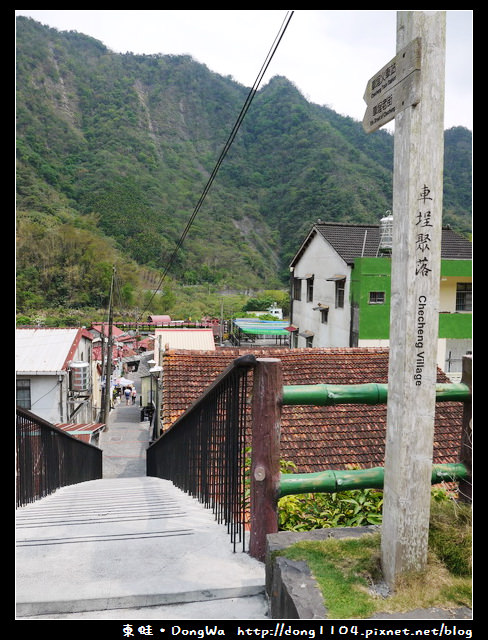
(328, 55)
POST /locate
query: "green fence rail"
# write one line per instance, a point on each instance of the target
(370, 393)
(335, 481)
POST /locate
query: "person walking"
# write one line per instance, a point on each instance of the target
(134, 395)
(127, 392)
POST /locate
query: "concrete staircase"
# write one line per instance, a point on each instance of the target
(126, 543)
(130, 544)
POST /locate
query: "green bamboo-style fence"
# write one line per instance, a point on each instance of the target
(334, 481)
(268, 484)
(369, 393)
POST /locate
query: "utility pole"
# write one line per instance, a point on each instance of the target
(108, 370)
(102, 395)
(414, 316)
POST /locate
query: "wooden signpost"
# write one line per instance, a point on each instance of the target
(410, 88)
(394, 88)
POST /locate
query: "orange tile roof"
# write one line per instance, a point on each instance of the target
(314, 438)
(82, 431)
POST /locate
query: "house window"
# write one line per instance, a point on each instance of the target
(463, 296)
(376, 297)
(297, 289)
(309, 342)
(324, 315)
(24, 394)
(340, 287)
(310, 289)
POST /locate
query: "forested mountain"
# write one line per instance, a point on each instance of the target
(115, 150)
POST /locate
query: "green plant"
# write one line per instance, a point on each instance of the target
(323, 510)
(450, 535)
(347, 570)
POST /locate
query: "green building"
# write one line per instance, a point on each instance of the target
(340, 291)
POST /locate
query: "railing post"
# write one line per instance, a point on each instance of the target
(265, 461)
(465, 457)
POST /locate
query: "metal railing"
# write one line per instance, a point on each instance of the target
(203, 452)
(48, 458)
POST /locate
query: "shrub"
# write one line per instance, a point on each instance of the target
(450, 535)
(323, 510)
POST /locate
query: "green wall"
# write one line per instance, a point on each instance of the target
(373, 274)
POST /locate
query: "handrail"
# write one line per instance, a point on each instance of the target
(368, 393)
(49, 458)
(332, 481)
(203, 452)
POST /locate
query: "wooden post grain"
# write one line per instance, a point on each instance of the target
(415, 282)
(265, 459)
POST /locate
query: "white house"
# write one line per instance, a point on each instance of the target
(340, 291)
(54, 373)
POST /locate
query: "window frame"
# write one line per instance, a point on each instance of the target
(379, 300)
(310, 289)
(464, 297)
(340, 293)
(23, 393)
(297, 289)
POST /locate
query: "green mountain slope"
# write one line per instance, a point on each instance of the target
(114, 153)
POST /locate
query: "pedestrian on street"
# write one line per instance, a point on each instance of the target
(127, 393)
(134, 395)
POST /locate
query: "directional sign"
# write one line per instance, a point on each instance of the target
(394, 88)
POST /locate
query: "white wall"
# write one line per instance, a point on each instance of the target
(45, 396)
(321, 260)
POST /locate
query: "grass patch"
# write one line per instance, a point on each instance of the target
(348, 570)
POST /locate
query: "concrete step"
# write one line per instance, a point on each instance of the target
(124, 543)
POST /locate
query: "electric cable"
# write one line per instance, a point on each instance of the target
(224, 151)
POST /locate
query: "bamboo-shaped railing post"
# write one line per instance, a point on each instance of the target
(265, 459)
(465, 457)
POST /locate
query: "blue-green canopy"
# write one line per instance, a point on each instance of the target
(255, 326)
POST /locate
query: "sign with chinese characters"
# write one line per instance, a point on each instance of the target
(423, 269)
(415, 277)
(394, 88)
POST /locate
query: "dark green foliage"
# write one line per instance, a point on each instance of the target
(121, 147)
(323, 510)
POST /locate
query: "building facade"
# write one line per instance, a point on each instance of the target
(340, 292)
(54, 373)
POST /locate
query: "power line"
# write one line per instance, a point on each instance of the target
(224, 151)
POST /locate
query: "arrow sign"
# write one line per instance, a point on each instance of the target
(393, 88)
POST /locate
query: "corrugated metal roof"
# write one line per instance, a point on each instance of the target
(42, 350)
(82, 431)
(193, 339)
(159, 319)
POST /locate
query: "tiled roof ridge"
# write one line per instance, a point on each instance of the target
(445, 227)
(276, 351)
(347, 224)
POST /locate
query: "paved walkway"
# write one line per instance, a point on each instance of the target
(130, 545)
